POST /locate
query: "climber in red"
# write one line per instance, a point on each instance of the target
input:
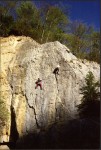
(38, 83)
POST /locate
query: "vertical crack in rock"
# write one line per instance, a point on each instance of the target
(42, 104)
(14, 135)
(34, 111)
(56, 99)
(57, 83)
(67, 110)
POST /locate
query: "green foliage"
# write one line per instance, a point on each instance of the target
(7, 6)
(78, 40)
(83, 41)
(49, 23)
(79, 29)
(6, 21)
(90, 90)
(53, 20)
(94, 54)
(3, 114)
(6, 18)
(6, 24)
(90, 106)
(27, 19)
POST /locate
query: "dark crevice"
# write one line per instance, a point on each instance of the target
(56, 109)
(13, 130)
(38, 126)
(14, 135)
(57, 82)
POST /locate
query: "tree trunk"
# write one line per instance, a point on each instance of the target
(44, 27)
(48, 33)
(49, 29)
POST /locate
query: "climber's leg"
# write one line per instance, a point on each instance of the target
(36, 86)
(55, 71)
(40, 86)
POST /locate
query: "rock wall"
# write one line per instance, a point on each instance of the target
(23, 61)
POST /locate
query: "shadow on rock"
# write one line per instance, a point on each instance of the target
(76, 134)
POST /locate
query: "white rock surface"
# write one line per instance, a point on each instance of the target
(23, 61)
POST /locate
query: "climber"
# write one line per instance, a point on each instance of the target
(56, 70)
(38, 83)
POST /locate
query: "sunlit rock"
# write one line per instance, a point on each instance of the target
(23, 61)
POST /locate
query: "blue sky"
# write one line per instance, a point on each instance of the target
(87, 11)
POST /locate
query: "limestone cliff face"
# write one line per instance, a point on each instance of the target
(23, 61)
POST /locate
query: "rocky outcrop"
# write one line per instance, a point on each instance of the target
(23, 61)
(4, 147)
